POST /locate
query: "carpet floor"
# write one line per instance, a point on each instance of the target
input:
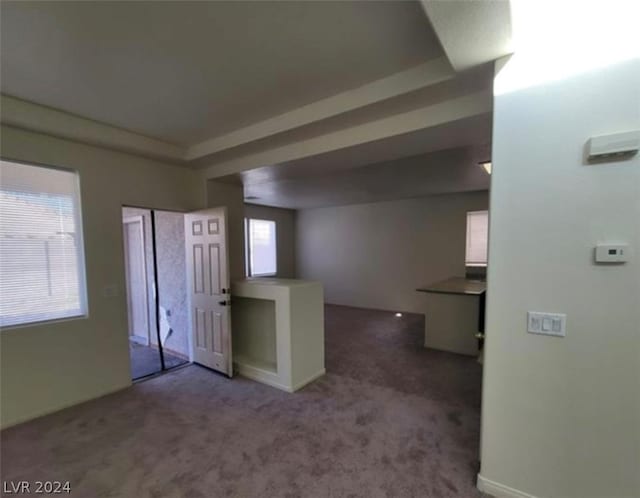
(389, 419)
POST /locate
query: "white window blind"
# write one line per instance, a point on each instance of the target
(261, 247)
(477, 238)
(41, 257)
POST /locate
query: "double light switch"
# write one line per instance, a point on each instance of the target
(547, 323)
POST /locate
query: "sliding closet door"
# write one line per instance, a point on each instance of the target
(137, 237)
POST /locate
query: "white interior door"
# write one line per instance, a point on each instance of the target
(136, 277)
(208, 288)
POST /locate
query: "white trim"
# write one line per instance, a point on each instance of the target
(309, 379)
(260, 375)
(432, 115)
(271, 378)
(421, 76)
(500, 490)
(27, 115)
(81, 259)
(130, 220)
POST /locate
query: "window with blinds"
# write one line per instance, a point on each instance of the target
(41, 247)
(261, 247)
(477, 238)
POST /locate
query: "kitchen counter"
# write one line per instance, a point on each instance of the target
(456, 285)
(452, 319)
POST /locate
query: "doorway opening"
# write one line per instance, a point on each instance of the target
(155, 271)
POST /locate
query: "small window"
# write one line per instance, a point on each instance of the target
(41, 248)
(477, 238)
(261, 247)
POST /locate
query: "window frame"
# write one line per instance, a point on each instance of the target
(466, 247)
(247, 239)
(83, 292)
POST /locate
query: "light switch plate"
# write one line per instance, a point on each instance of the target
(547, 323)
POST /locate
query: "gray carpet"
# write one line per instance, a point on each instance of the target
(389, 419)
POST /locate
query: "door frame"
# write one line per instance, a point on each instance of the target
(130, 220)
(152, 212)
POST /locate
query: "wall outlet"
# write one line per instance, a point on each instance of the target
(612, 253)
(547, 323)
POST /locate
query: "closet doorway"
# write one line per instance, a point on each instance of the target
(155, 271)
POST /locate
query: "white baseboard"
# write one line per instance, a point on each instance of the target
(272, 379)
(260, 375)
(309, 379)
(500, 490)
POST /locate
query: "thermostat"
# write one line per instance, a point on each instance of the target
(612, 253)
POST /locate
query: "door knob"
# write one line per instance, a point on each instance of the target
(224, 303)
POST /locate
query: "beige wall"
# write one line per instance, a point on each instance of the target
(285, 235)
(376, 255)
(51, 366)
(561, 416)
